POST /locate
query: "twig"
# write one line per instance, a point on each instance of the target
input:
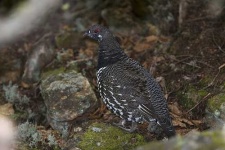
(203, 99)
(198, 19)
(204, 63)
(212, 82)
(182, 61)
(218, 46)
(221, 66)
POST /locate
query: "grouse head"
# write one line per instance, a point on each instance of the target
(109, 48)
(98, 33)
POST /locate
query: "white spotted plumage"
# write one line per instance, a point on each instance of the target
(112, 104)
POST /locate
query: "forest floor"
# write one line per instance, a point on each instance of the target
(189, 63)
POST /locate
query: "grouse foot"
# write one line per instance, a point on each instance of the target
(153, 127)
(122, 123)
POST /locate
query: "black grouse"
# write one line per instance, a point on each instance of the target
(126, 88)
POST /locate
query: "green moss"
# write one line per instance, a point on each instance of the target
(204, 82)
(73, 65)
(101, 136)
(185, 102)
(66, 39)
(154, 145)
(52, 72)
(19, 115)
(190, 96)
(215, 102)
(179, 143)
(223, 86)
(217, 140)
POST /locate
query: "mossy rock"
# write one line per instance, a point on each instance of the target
(101, 136)
(208, 140)
(217, 102)
(81, 65)
(52, 72)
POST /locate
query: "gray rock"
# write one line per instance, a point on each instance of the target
(67, 96)
(118, 19)
(208, 140)
(162, 15)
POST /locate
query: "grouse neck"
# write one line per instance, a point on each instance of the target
(109, 53)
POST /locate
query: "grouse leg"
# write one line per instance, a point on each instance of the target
(122, 123)
(153, 126)
(132, 128)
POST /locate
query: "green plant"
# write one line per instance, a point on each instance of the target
(12, 94)
(51, 140)
(28, 133)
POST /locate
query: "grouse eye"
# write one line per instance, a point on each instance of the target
(96, 30)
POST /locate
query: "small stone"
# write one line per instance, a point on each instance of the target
(6, 109)
(96, 129)
(78, 129)
(217, 113)
(98, 144)
(65, 6)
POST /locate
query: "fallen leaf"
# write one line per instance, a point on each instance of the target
(174, 108)
(152, 38)
(186, 121)
(161, 81)
(178, 123)
(6, 109)
(197, 122)
(164, 39)
(141, 46)
(157, 59)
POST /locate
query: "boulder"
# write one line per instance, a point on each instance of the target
(66, 96)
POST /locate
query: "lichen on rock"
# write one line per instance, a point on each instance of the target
(67, 96)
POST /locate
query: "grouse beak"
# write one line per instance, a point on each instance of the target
(85, 34)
